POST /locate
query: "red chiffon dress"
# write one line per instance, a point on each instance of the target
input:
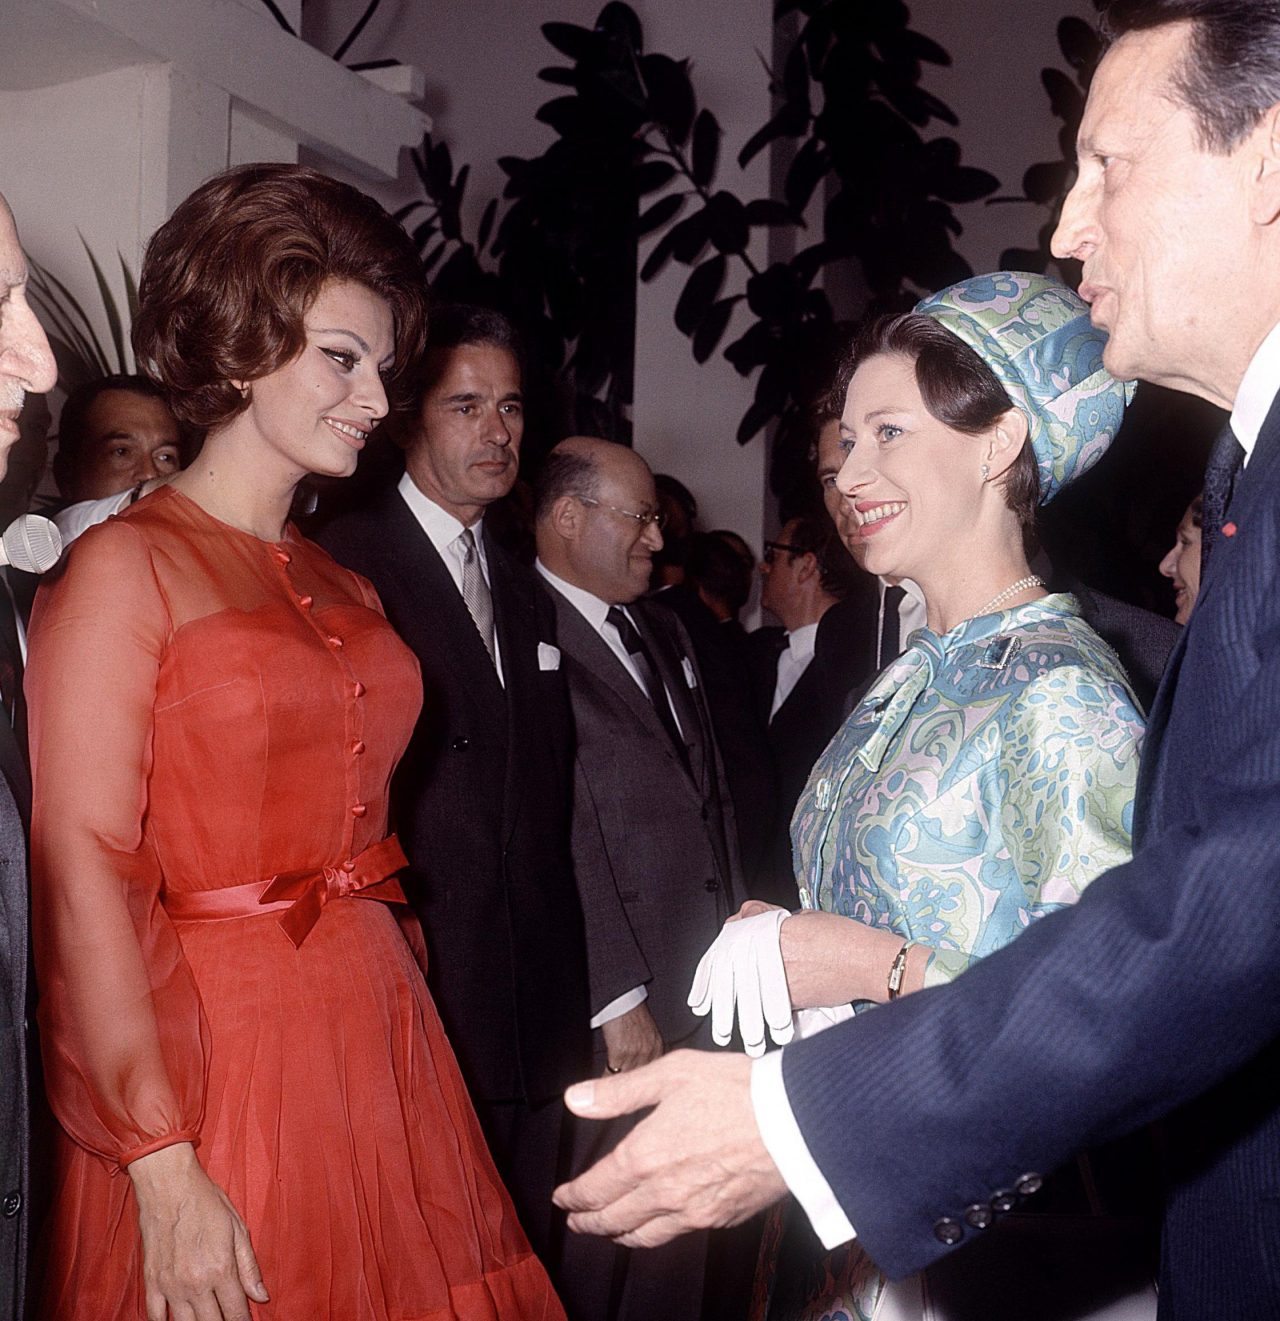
(221, 956)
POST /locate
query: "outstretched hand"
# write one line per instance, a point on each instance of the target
(696, 1162)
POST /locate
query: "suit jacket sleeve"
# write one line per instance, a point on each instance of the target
(1160, 982)
(615, 962)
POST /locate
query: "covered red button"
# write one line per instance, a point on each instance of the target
(357, 748)
(357, 689)
(359, 810)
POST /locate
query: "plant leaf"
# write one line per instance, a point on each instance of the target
(706, 148)
(660, 213)
(569, 39)
(700, 291)
(710, 330)
(486, 223)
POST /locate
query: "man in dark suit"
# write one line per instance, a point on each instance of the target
(26, 367)
(806, 572)
(653, 842)
(1159, 993)
(482, 797)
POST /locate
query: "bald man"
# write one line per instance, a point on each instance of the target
(654, 848)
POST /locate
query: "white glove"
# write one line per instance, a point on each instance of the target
(744, 965)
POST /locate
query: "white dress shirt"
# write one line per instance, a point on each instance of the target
(792, 663)
(912, 615)
(443, 530)
(1258, 388)
(595, 612)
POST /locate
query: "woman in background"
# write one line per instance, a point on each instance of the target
(259, 1110)
(1182, 564)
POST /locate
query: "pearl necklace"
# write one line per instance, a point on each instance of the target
(1022, 585)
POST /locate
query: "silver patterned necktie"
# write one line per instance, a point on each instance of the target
(475, 591)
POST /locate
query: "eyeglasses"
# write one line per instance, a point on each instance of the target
(645, 520)
(771, 548)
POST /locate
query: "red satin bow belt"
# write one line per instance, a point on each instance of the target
(299, 896)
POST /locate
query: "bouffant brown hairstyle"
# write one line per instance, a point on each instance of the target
(957, 388)
(228, 278)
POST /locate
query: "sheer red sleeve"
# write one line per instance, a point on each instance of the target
(122, 1029)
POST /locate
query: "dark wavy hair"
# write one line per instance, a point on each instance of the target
(228, 279)
(1230, 75)
(957, 387)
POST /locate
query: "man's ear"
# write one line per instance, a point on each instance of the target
(565, 518)
(1003, 443)
(1264, 144)
(807, 567)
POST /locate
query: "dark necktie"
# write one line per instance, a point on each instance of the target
(642, 659)
(891, 626)
(1219, 479)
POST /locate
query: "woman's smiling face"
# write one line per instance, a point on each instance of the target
(912, 482)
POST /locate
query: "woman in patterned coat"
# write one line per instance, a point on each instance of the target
(989, 773)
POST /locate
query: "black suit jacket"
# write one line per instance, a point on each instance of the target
(481, 803)
(15, 789)
(654, 845)
(799, 730)
(723, 655)
(1158, 992)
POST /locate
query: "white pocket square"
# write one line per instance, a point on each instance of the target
(689, 677)
(548, 656)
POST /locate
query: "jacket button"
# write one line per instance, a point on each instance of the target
(711, 885)
(460, 744)
(305, 602)
(334, 641)
(948, 1231)
(978, 1216)
(11, 1205)
(1029, 1185)
(357, 689)
(358, 809)
(357, 748)
(1003, 1201)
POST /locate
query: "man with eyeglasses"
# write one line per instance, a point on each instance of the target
(653, 842)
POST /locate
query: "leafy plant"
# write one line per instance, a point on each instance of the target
(79, 352)
(636, 155)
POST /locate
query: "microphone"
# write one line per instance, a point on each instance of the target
(31, 543)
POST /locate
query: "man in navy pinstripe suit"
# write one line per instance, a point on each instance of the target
(1159, 993)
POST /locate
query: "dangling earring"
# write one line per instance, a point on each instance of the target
(986, 472)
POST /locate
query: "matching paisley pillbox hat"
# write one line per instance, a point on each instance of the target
(1035, 335)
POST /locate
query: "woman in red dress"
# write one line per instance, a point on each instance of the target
(260, 1113)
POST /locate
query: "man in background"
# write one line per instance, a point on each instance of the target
(805, 573)
(653, 841)
(26, 367)
(115, 433)
(481, 800)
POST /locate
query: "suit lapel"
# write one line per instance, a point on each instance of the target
(515, 619)
(591, 651)
(671, 670)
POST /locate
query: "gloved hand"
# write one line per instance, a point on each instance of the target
(743, 967)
